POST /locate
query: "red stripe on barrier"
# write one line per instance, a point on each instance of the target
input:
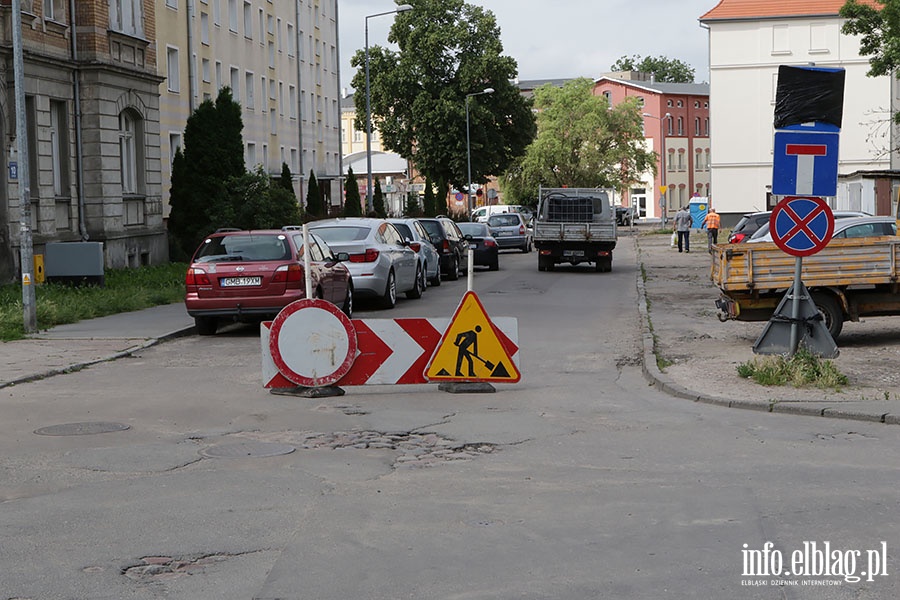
(372, 354)
(427, 337)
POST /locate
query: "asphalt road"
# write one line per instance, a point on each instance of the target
(580, 482)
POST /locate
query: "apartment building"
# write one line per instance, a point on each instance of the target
(92, 121)
(281, 61)
(748, 42)
(676, 127)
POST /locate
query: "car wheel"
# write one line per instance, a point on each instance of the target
(436, 280)
(527, 247)
(206, 325)
(419, 285)
(831, 312)
(389, 299)
(348, 302)
(453, 271)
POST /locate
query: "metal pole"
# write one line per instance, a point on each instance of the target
(795, 306)
(468, 161)
(369, 203)
(26, 252)
(307, 273)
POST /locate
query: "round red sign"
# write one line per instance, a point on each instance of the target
(801, 226)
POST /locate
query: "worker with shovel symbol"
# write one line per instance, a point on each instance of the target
(467, 342)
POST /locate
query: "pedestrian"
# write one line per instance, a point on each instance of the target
(712, 223)
(683, 222)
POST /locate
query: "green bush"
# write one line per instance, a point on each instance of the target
(803, 369)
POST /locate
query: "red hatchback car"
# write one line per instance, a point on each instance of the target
(252, 275)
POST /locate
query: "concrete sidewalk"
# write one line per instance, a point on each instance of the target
(71, 347)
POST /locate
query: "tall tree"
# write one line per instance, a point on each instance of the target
(213, 158)
(581, 142)
(314, 205)
(286, 180)
(448, 49)
(412, 209)
(428, 201)
(263, 203)
(352, 200)
(378, 200)
(664, 70)
(879, 29)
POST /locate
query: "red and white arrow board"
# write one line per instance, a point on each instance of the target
(390, 351)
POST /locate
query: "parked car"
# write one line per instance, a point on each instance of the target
(429, 260)
(485, 251)
(252, 275)
(510, 231)
(449, 241)
(381, 262)
(626, 215)
(481, 214)
(764, 235)
(747, 226)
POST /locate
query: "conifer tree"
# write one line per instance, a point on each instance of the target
(352, 204)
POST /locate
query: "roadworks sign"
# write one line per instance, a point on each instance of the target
(473, 348)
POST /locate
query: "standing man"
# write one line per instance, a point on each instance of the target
(683, 222)
(711, 222)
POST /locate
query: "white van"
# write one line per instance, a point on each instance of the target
(482, 213)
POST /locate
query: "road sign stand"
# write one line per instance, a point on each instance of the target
(467, 387)
(801, 323)
(309, 392)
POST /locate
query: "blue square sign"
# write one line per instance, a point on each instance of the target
(805, 163)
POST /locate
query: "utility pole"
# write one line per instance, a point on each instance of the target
(26, 252)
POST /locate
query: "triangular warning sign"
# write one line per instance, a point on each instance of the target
(472, 348)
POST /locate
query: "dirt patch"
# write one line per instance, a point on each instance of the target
(704, 352)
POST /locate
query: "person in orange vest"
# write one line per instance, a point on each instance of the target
(712, 223)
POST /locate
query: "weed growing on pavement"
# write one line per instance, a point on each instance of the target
(804, 369)
(125, 290)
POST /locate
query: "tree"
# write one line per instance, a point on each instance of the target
(412, 208)
(879, 31)
(664, 70)
(263, 203)
(286, 180)
(447, 50)
(213, 156)
(314, 205)
(428, 202)
(352, 200)
(378, 200)
(581, 142)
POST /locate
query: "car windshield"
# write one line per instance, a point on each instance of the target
(244, 247)
(342, 233)
(503, 220)
(474, 229)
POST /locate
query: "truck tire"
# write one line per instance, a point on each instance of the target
(604, 264)
(831, 311)
(545, 263)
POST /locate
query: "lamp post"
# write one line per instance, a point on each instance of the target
(662, 163)
(369, 204)
(469, 206)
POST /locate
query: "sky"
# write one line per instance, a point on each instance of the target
(560, 39)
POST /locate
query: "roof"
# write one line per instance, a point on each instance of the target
(759, 9)
(684, 89)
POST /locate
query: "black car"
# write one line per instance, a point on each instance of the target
(626, 215)
(747, 226)
(450, 243)
(485, 250)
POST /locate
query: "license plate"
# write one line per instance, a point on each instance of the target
(473, 246)
(505, 232)
(573, 253)
(240, 281)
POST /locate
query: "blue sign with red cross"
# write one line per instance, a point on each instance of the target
(801, 226)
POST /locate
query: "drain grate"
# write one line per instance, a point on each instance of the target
(89, 428)
(247, 450)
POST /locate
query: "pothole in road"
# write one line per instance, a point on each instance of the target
(415, 449)
(90, 428)
(166, 568)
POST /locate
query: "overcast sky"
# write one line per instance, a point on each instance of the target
(562, 38)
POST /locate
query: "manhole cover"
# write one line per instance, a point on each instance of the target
(82, 428)
(247, 449)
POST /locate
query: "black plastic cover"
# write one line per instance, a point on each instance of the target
(809, 94)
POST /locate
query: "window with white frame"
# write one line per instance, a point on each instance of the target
(290, 39)
(232, 16)
(173, 81)
(294, 160)
(174, 145)
(270, 24)
(236, 84)
(204, 29)
(127, 16)
(204, 63)
(273, 122)
(248, 84)
(292, 101)
(271, 46)
(172, 4)
(248, 21)
(265, 156)
(55, 10)
(262, 25)
(278, 35)
(281, 98)
(130, 151)
(217, 12)
(218, 75)
(251, 154)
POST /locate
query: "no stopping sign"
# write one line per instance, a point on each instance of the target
(312, 343)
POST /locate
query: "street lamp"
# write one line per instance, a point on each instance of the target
(662, 162)
(369, 204)
(469, 148)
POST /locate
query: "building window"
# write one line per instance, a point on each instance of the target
(273, 122)
(204, 29)
(172, 4)
(696, 125)
(281, 98)
(248, 21)
(218, 75)
(780, 40)
(680, 126)
(232, 16)
(130, 149)
(205, 67)
(251, 155)
(127, 16)
(59, 147)
(669, 104)
(174, 145)
(55, 10)
(698, 160)
(217, 12)
(271, 55)
(173, 82)
(706, 126)
(236, 83)
(608, 95)
(248, 84)
(290, 39)
(640, 100)
(669, 130)
(262, 25)
(292, 101)
(680, 104)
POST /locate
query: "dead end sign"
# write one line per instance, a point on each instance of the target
(473, 349)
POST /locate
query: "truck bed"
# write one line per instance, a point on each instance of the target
(843, 262)
(575, 232)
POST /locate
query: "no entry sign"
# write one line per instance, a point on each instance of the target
(801, 226)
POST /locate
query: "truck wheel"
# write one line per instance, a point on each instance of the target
(545, 263)
(604, 264)
(831, 311)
